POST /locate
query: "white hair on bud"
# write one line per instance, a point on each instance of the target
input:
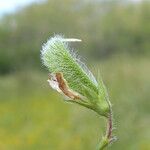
(48, 47)
(71, 40)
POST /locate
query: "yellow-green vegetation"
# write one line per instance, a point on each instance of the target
(33, 117)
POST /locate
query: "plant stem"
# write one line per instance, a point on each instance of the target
(109, 126)
(107, 139)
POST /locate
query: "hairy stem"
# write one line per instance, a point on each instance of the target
(108, 138)
(109, 126)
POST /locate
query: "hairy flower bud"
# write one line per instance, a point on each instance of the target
(70, 77)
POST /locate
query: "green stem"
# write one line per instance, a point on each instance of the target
(107, 139)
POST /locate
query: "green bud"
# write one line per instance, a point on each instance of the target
(71, 77)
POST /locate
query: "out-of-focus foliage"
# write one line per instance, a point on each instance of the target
(32, 116)
(106, 28)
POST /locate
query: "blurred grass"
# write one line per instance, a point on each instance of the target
(34, 117)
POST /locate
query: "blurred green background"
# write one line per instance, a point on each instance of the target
(115, 40)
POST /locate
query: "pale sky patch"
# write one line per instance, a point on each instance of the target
(8, 6)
